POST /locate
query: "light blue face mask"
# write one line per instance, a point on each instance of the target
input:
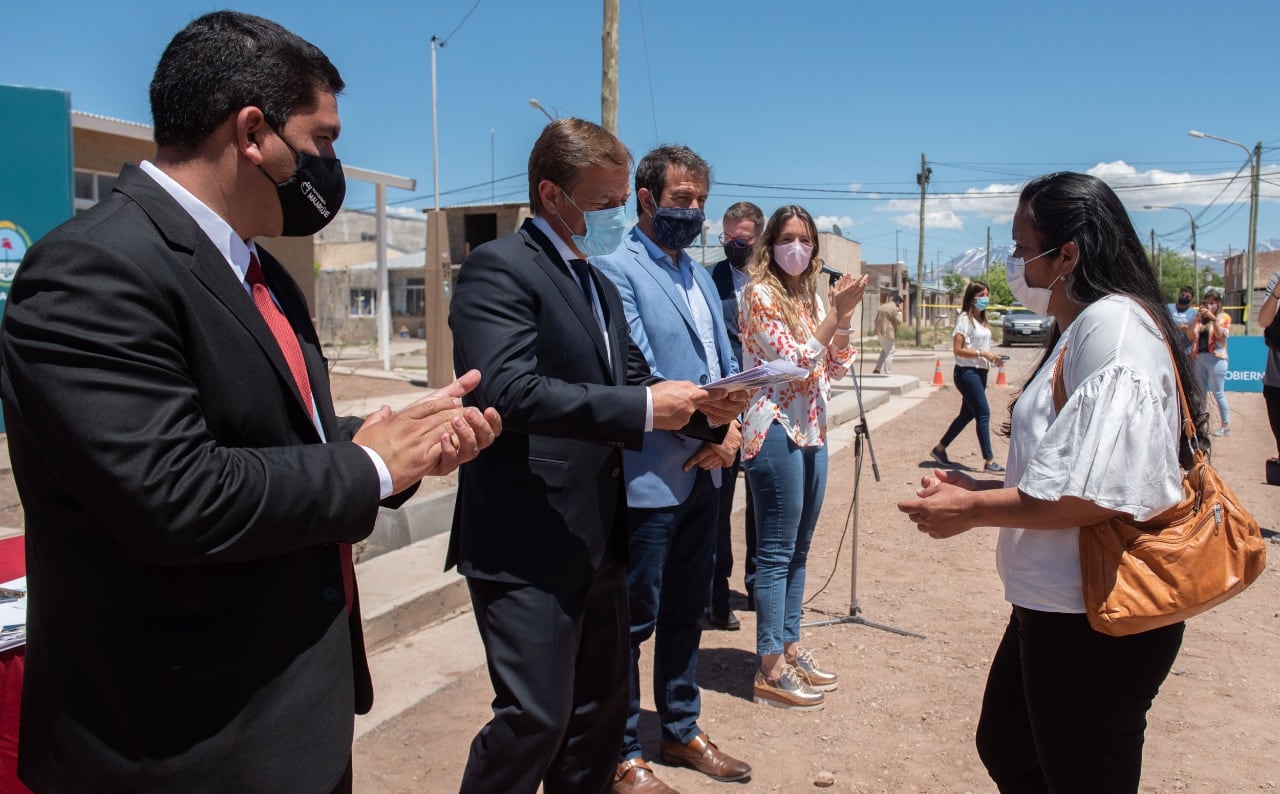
(982, 303)
(604, 229)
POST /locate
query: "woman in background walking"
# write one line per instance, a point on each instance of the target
(971, 342)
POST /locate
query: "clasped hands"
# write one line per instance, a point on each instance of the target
(433, 436)
(943, 505)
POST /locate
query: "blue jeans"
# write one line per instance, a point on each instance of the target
(787, 483)
(669, 585)
(1211, 371)
(971, 382)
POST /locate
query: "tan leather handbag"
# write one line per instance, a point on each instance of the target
(1143, 575)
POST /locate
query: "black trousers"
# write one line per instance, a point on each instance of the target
(724, 543)
(558, 660)
(1065, 709)
(1271, 394)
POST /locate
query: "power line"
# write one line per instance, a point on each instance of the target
(460, 24)
(653, 105)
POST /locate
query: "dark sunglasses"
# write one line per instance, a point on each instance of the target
(734, 242)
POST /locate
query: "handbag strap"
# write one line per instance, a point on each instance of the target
(1188, 426)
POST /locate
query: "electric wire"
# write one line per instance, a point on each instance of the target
(653, 103)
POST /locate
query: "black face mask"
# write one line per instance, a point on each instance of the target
(675, 228)
(1184, 301)
(312, 194)
(737, 255)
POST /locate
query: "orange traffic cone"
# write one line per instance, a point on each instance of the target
(1001, 380)
(937, 372)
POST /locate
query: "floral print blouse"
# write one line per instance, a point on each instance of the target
(800, 406)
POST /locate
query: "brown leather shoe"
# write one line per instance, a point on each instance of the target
(635, 777)
(703, 755)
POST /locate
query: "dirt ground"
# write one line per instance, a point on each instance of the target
(903, 718)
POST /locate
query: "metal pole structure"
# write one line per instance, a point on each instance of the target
(1255, 170)
(493, 173)
(384, 278)
(1195, 262)
(922, 179)
(1253, 237)
(435, 130)
(609, 76)
(536, 105)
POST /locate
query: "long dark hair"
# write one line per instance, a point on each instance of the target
(971, 295)
(1069, 207)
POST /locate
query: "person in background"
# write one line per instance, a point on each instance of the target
(888, 318)
(1271, 375)
(742, 224)
(1208, 335)
(784, 440)
(191, 495)
(673, 483)
(540, 524)
(1183, 314)
(971, 343)
(1065, 706)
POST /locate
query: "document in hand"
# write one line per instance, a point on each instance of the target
(767, 374)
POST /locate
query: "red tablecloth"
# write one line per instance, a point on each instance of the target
(12, 565)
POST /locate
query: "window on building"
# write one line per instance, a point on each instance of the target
(411, 297)
(364, 303)
(92, 187)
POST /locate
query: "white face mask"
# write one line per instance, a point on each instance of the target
(793, 257)
(1034, 298)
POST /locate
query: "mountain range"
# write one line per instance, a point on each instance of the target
(972, 262)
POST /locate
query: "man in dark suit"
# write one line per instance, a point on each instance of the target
(540, 525)
(741, 227)
(190, 495)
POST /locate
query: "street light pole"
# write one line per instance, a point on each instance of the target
(1195, 262)
(536, 105)
(1251, 258)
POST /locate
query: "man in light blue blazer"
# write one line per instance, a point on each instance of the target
(673, 309)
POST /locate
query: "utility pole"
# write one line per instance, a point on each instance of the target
(987, 267)
(922, 179)
(609, 80)
(1255, 176)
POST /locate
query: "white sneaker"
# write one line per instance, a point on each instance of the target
(1222, 431)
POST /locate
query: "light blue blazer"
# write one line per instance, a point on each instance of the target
(663, 328)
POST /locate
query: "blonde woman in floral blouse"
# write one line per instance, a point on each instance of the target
(783, 440)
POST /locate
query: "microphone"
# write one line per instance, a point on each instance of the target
(831, 273)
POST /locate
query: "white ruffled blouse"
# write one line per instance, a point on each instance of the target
(1114, 444)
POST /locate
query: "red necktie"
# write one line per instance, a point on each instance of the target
(288, 342)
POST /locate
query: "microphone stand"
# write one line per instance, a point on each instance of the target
(860, 432)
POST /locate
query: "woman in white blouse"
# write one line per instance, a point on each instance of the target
(971, 343)
(1065, 706)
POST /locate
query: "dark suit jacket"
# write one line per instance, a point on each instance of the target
(186, 625)
(722, 275)
(542, 504)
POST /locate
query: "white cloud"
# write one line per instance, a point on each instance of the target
(824, 222)
(995, 203)
(934, 218)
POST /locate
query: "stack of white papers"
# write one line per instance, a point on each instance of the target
(13, 614)
(767, 374)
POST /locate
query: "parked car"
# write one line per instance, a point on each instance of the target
(1020, 324)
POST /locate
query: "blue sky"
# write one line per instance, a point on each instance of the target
(817, 95)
